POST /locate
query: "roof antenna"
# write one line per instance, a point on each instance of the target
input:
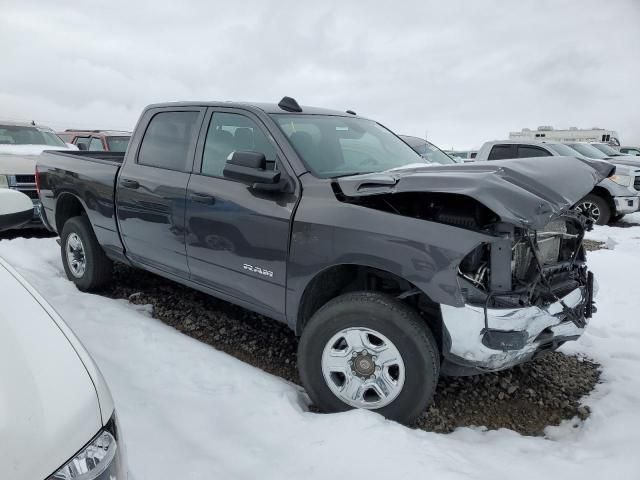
(289, 104)
(351, 112)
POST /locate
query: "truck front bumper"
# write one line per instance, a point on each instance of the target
(516, 335)
(626, 204)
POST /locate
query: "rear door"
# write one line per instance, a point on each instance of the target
(237, 237)
(152, 187)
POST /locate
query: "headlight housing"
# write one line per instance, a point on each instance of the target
(624, 180)
(101, 459)
(4, 181)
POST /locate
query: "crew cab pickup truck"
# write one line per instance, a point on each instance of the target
(392, 270)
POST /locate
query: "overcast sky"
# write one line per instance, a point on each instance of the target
(464, 72)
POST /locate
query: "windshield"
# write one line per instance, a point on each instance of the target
(587, 150)
(563, 150)
(606, 149)
(26, 135)
(333, 146)
(118, 144)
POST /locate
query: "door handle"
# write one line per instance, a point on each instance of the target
(125, 182)
(202, 198)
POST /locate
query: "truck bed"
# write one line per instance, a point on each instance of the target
(69, 179)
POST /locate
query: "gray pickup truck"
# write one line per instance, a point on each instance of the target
(392, 270)
(609, 201)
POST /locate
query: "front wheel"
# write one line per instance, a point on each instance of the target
(596, 208)
(369, 350)
(85, 263)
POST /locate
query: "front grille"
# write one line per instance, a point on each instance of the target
(25, 178)
(636, 183)
(25, 184)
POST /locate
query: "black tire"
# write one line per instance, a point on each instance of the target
(399, 323)
(592, 202)
(99, 267)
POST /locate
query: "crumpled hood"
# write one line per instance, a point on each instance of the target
(628, 161)
(527, 191)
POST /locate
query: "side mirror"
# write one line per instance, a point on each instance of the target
(251, 168)
(82, 146)
(16, 209)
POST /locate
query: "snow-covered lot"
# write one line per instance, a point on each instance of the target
(189, 411)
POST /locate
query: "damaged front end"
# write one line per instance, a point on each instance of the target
(524, 287)
(527, 292)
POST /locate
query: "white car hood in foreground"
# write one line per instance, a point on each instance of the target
(53, 399)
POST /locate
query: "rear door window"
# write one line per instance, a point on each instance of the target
(501, 152)
(527, 151)
(168, 141)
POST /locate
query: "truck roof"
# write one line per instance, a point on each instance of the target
(284, 106)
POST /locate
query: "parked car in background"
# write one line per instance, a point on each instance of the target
(635, 151)
(611, 199)
(97, 140)
(428, 150)
(608, 150)
(20, 144)
(58, 419)
(391, 269)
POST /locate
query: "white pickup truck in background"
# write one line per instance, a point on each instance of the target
(20, 144)
(609, 201)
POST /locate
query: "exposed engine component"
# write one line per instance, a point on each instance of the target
(545, 265)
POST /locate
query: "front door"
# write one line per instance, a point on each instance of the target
(151, 191)
(237, 237)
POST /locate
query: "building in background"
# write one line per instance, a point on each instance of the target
(572, 134)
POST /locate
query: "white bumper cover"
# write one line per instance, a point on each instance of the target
(466, 326)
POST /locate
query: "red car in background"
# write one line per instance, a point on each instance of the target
(97, 140)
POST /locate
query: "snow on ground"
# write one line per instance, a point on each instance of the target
(191, 412)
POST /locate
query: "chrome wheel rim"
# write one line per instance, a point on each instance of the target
(590, 209)
(363, 368)
(76, 259)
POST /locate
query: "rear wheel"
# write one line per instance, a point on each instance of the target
(596, 208)
(85, 263)
(369, 350)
